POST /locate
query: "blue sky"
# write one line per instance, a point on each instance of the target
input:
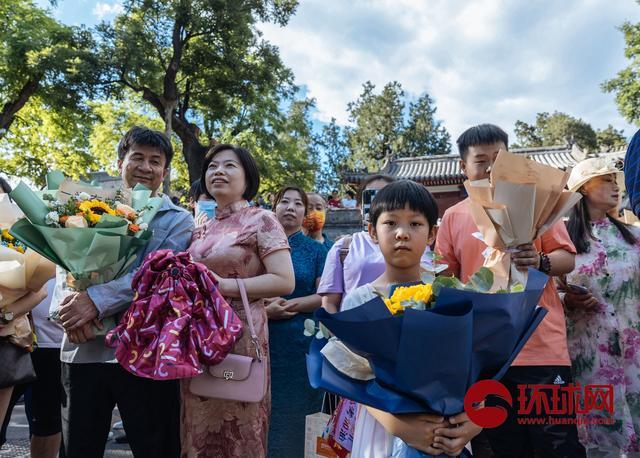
(482, 60)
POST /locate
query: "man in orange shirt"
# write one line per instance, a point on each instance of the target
(545, 358)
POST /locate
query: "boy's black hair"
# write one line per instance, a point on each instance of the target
(249, 164)
(398, 195)
(483, 134)
(143, 136)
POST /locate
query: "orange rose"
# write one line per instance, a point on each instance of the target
(126, 211)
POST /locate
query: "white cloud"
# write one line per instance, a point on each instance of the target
(102, 10)
(482, 61)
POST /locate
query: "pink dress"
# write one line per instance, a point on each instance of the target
(233, 246)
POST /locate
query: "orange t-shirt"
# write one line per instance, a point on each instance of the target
(463, 253)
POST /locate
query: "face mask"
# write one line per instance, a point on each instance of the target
(206, 206)
(314, 221)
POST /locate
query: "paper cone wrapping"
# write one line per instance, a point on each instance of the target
(520, 202)
(22, 272)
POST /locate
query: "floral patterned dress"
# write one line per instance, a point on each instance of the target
(605, 345)
(233, 246)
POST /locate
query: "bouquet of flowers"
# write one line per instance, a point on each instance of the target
(522, 199)
(417, 366)
(21, 270)
(94, 234)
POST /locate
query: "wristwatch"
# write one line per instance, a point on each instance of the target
(545, 263)
(6, 315)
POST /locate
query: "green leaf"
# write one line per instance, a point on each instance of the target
(427, 277)
(481, 281)
(325, 332)
(517, 288)
(309, 327)
(446, 282)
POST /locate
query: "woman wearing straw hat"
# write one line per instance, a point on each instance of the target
(602, 302)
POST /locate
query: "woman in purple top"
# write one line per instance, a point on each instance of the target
(363, 262)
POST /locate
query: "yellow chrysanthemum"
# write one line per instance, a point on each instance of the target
(394, 307)
(94, 209)
(6, 235)
(407, 296)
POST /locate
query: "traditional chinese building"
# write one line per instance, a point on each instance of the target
(444, 179)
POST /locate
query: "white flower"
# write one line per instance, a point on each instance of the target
(144, 226)
(53, 203)
(84, 196)
(52, 218)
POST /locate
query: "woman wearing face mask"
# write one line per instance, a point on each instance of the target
(239, 242)
(315, 219)
(202, 206)
(601, 302)
(292, 397)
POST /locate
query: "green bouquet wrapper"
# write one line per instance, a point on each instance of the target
(89, 255)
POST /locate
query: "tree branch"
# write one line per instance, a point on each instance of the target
(9, 110)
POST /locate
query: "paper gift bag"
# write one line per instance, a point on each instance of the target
(315, 445)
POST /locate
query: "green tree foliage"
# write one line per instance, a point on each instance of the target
(626, 84)
(382, 127)
(76, 142)
(285, 153)
(39, 56)
(610, 139)
(203, 66)
(331, 144)
(424, 135)
(41, 139)
(556, 129)
(377, 124)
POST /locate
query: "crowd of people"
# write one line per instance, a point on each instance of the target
(290, 268)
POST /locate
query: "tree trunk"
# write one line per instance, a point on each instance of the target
(192, 150)
(194, 153)
(168, 116)
(9, 110)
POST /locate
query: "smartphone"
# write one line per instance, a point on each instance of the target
(578, 289)
(367, 198)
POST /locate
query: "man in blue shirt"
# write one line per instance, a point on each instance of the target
(93, 381)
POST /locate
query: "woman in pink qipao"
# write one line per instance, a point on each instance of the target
(240, 242)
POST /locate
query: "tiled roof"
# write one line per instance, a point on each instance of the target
(445, 169)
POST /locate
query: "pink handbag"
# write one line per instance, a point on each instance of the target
(237, 377)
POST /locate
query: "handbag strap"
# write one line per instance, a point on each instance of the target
(247, 311)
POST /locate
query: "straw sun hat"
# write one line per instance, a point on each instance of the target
(591, 168)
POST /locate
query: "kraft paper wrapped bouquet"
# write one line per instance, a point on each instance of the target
(21, 270)
(94, 234)
(520, 201)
